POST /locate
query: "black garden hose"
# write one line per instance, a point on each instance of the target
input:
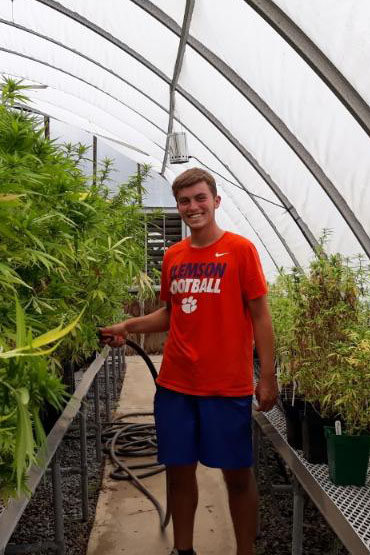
(125, 439)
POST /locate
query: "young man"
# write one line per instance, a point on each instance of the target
(215, 295)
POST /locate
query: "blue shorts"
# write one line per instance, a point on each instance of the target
(216, 431)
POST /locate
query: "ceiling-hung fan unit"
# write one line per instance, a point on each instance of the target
(178, 148)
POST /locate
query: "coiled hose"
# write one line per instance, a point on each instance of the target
(124, 439)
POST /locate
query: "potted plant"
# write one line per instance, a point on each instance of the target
(348, 451)
(331, 307)
(283, 307)
(327, 303)
(67, 244)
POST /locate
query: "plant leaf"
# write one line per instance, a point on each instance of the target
(55, 334)
(24, 352)
(24, 395)
(21, 335)
(10, 198)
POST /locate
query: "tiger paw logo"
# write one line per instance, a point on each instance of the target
(189, 304)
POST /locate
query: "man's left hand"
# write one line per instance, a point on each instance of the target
(266, 393)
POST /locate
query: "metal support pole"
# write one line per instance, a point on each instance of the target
(47, 127)
(298, 503)
(120, 361)
(124, 364)
(107, 391)
(336, 547)
(139, 185)
(142, 313)
(115, 352)
(114, 372)
(98, 446)
(256, 455)
(58, 504)
(84, 467)
(95, 158)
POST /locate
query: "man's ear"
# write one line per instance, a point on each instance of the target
(217, 201)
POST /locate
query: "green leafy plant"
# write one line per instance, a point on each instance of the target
(25, 384)
(65, 240)
(322, 326)
(70, 250)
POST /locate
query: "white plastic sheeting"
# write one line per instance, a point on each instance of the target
(341, 30)
(254, 109)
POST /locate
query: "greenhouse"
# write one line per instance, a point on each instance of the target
(103, 107)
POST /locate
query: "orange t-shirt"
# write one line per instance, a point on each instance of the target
(209, 349)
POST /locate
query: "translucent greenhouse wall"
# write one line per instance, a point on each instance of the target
(273, 98)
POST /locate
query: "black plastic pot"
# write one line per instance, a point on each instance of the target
(49, 415)
(293, 422)
(348, 458)
(68, 377)
(313, 435)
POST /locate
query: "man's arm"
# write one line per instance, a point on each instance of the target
(157, 321)
(266, 390)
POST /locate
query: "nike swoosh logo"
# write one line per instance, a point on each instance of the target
(217, 254)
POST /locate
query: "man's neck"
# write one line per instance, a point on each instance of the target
(205, 237)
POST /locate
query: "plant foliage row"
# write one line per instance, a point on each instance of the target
(322, 327)
(69, 252)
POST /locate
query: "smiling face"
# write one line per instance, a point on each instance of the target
(196, 205)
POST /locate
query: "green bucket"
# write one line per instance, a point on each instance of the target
(348, 458)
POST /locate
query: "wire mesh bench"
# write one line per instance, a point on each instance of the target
(345, 508)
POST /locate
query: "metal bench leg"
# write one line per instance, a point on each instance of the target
(298, 503)
(256, 456)
(98, 446)
(84, 466)
(107, 392)
(58, 504)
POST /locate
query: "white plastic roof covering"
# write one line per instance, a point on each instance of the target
(274, 98)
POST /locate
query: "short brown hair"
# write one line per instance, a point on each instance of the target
(191, 177)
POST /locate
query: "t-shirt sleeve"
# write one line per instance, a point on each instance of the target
(165, 294)
(253, 281)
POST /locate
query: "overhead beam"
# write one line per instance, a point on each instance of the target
(65, 72)
(273, 186)
(75, 52)
(124, 47)
(255, 231)
(315, 58)
(189, 8)
(46, 117)
(83, 56)
(240, 85)
(271, 117)
(258, 205)
(242, 186)
(312, 241)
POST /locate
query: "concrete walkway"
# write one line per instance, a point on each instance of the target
(127, 523)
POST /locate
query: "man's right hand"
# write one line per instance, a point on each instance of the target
(114, 336)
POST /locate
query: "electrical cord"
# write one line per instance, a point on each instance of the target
(124, 439)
